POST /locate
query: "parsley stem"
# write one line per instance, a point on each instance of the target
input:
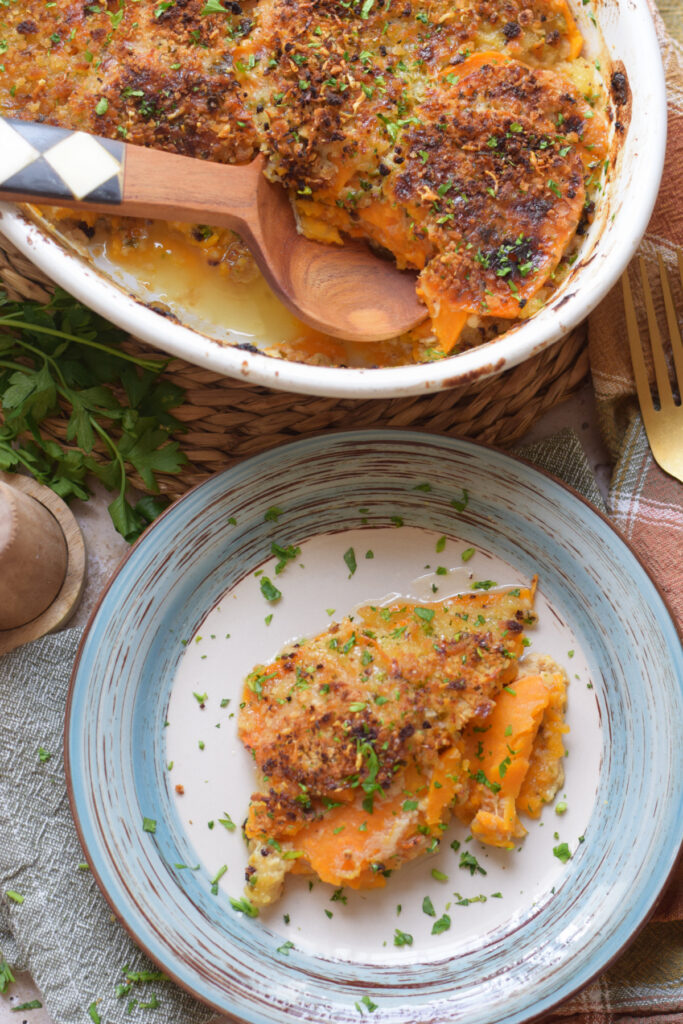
(18, 454)
(109, 441)
(144, 364)
(13, 366)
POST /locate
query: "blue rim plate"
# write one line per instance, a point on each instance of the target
(204, 545)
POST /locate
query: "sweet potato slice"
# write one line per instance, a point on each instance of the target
(500, 752)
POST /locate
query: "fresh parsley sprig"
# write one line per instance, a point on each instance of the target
(61, 357)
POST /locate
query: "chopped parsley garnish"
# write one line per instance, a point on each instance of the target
(272, 514)
(34, 1004)
(227, 822)
(440, 544)
(427, 614)
(410, 805)
(93, 1014)
(43, 755)
(562, 852)
(269, 590)
(284, 555)
(480, 776)
(369, 784)
(467, 554)
(402, 938)
(350, 643)
(350, 559)
(461, 505)
(216, 879)
(470, 862)
(439, 876)
(244, 906)
(442, 925)
(484, 584)
(428, 907)
(149, 825)
(285, 947)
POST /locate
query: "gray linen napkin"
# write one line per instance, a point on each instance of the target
(64, 932)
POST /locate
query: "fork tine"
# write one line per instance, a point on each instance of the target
(672, 320)
(666, 398)
(637, 359)
(676, 343)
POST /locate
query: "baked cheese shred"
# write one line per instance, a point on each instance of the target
(370, 736)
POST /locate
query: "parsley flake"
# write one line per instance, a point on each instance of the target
(350, 559)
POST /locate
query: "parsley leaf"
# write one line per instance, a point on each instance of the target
(6, 976)
(60, 357)
(350, 559)
(269, 590)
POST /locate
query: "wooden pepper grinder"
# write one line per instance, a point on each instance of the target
(42, 561)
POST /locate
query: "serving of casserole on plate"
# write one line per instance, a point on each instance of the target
(483, 146)
(385, 536)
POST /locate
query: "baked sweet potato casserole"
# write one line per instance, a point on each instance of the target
(466, 138)
(371, 735)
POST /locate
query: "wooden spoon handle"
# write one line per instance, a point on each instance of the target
(42, 163)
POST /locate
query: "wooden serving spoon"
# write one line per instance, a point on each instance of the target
(345, 291)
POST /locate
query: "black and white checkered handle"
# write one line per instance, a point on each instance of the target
(41, 162)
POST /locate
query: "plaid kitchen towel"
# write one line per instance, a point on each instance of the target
(63, 931)
(646, 504)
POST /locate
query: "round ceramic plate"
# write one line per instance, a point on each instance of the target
(157, 776)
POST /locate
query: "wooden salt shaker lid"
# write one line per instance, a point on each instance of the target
(42, 561)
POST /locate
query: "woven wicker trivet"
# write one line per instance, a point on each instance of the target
(227, 419)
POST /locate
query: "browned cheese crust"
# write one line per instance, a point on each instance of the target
(155, 74)
(359, 703)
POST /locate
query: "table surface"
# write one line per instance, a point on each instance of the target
(105, 547)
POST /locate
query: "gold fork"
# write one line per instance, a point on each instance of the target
(663, 423)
